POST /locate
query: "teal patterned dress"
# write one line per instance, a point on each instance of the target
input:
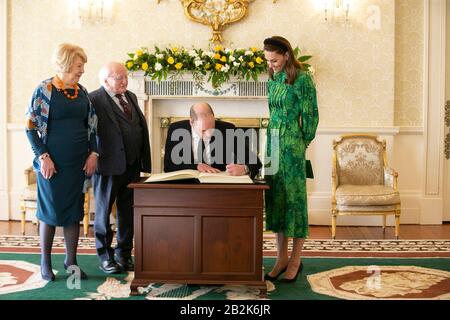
(286, 200)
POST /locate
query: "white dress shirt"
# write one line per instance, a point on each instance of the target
(195, 141)
(115, 99)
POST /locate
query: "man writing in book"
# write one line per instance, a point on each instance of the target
(208, 145)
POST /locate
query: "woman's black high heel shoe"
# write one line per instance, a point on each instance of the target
(268, 277)
(300, 268)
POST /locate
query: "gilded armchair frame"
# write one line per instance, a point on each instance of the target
(390, 179)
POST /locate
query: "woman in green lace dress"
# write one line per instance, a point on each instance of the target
(293, 122)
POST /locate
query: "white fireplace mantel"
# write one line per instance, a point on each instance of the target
(173, 99)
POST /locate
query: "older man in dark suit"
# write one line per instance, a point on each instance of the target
(208, 145)
(124, 151)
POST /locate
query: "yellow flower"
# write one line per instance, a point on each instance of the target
(259, 60)
(217, 56)
(223, 59)
(145, 66)
(170, 60)
(218, 48)
(178, 66)
(251, 64)
(218, 66)
(130, 64)
(139, 53)
(254, 49)
(175, 49)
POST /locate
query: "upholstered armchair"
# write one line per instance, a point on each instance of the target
(29, 201)
(362, 182)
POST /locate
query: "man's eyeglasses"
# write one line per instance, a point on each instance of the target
(118, 78)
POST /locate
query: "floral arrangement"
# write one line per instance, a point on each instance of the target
(219, 63)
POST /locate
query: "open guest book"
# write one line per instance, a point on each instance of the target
(201, 177)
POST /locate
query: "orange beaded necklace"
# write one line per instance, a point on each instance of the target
(59, 85)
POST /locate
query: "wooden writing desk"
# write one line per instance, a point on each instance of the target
(198, 234)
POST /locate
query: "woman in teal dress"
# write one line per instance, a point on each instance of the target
(61, 127)
(293, 122)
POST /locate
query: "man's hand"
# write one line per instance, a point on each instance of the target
(47, 167)
(236, 169)
(90, 165)
(202, 167)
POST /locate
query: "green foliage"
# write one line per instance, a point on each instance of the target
(218, 63)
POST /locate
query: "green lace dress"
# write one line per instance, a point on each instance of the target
(286, 200)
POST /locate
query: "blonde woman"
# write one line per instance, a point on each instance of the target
(61, 128)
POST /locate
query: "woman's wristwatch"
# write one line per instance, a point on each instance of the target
(95, 154)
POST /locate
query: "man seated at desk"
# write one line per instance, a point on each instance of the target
(208, 145)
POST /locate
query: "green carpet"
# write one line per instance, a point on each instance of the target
(301, 290)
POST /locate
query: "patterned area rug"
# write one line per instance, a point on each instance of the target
(312, 247)
(334, 269)
(321, 279)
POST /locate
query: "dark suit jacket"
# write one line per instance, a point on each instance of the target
(110, 144)
(222, 126)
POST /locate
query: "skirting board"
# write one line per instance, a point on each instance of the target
(4, 206)
(319, 211)
(433, 207)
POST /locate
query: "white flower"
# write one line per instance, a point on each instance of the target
(158, 66)
(236, 64)
(232, 58)
(241, 58)
(208, 53)
(159, 56)
(225, 68)
(249, 53)
(198, 62)
(135, 56)
(228, 50)
(193, 53)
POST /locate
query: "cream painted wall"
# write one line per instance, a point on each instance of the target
(409, 64)
(355, 66)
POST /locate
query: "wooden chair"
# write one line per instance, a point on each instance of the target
(362, 182)
(29, 202)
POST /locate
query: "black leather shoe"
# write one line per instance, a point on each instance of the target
(109, 266)
(83, 275)
(48, 277)
(269, 277)
(285, 280)
(125, 263)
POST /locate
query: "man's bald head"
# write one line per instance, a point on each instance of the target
(202, 119)
(114, 77)
(201, 110)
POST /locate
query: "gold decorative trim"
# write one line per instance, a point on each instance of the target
(238, 122)
(447, 113)
(447, 123)
(215, 14)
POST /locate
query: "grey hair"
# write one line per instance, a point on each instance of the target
(103, 74)
(106, 70)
